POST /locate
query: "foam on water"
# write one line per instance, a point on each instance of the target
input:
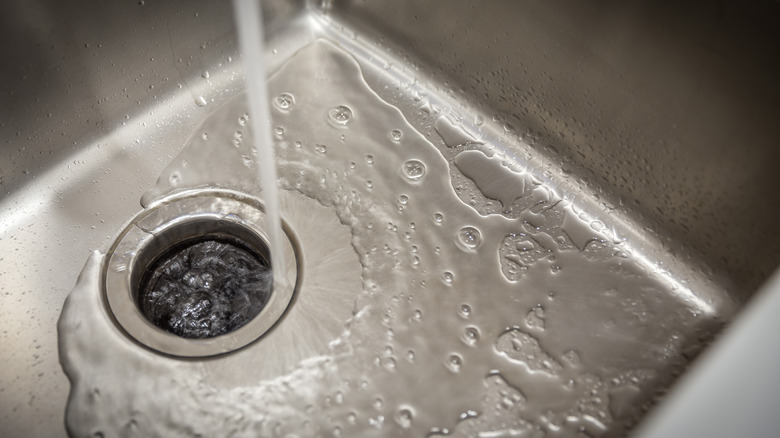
(471, 319)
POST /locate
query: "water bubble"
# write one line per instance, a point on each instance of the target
(404, 418)
(469, 237)
(447, 277)
(340, 115)
(370, 159)
(464, 311)
(284, 101)
(413, 169)
(200, 101)
(470, 335)
(396, 135)
(454, 362)
(438, 218)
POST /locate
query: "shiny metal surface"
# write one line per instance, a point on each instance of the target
(658, 117)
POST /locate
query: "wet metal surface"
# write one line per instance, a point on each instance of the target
(655, 119)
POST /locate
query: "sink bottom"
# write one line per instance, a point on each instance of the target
(464, 267)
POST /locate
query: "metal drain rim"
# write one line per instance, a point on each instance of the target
(160, 226)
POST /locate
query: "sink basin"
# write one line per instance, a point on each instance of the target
(596, 168)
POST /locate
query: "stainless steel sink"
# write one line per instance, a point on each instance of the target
(652, 124)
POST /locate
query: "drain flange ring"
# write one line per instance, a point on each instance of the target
(187, 217)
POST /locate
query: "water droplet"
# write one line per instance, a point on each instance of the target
(454, 362)
(403, 199)
(464, 311)
(377, 422)
(340, 115)
(369, 184)
(469, 237)
(205, 75)
(413, 169)
(573, 358)
(173, 179)
(370, 159)
(404, 418)
(200, 101)
(447, 276)
(396, 135)
(321, 148)
(438, 218)
(470, 335)
(284, 101)
(242, 119)
(389, 363)
(535, 318)
(237, 138)
(205, 136)
(279, 131)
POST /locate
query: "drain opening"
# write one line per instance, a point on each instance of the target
(191, 277)
(205, 287)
